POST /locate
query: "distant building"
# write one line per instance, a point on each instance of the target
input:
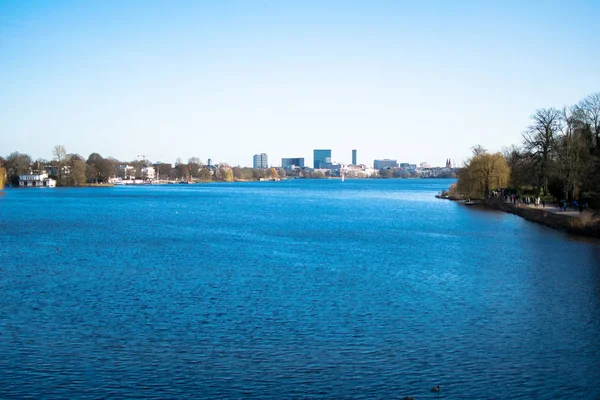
(209, 163)
(385, 163)
(53, 170)
(408, 166)
(327, 164)
(148, 173)
(353, 157)
(261, 161)
(289, 163)
(321, 157)
(425, 165)
(125, 171)
(40, 180)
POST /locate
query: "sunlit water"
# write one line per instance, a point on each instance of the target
(296, 289)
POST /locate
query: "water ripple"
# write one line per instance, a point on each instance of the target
(295, 290)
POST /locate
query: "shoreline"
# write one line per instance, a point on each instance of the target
(567, 221)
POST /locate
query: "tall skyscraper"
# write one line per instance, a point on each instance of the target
(321, 157)
(261, 161)
(354, 157)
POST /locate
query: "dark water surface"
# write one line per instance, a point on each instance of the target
(297, 289)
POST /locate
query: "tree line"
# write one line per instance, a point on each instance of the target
(559, 156)
(71, 169)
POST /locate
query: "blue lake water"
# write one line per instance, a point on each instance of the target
(296, 289)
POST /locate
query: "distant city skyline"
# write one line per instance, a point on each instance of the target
(415, 82)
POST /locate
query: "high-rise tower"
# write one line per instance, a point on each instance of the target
(321, 157)
(261, 161)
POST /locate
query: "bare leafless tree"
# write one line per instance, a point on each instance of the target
(539, 142)
(520, 166)
(571, 153)
(478, 150)
(60, 155)
(589, 109)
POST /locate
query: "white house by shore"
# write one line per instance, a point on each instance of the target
(38, 180)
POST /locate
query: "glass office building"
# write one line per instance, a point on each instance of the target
(321, 157)
(261, 161)
(289, 163)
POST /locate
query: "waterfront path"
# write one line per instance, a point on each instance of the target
(571, 212)
(571, 220)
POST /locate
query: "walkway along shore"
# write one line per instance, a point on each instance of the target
(585, 224)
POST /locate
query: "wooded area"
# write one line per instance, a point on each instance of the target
(559, 157)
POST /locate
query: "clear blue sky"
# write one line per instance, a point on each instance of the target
(416, 81)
